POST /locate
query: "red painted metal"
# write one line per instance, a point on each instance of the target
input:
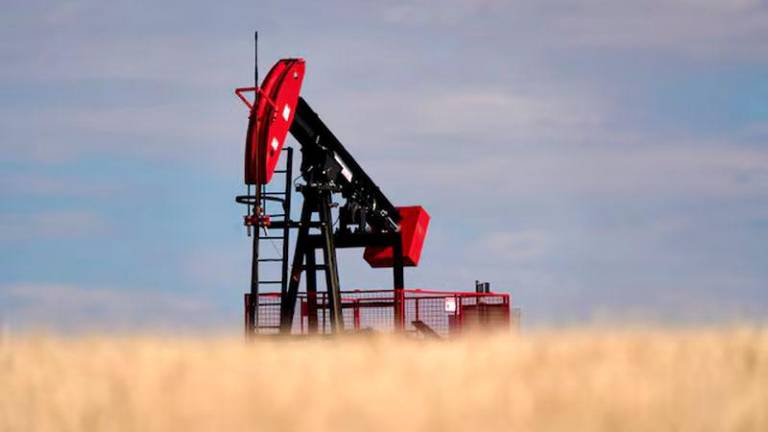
(356, 315)
(375, 310)
(413, 230)
(271, 116)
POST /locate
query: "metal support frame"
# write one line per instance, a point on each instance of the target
(329, 259)
(288, 298)
(315, 201)
(328, 242)
(398, 276)
(259, 223)
(287, 212)
(252, 301)
(327, 168)
(311, 291)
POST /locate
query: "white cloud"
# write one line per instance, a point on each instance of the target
(515, 246)
(176, 132)
(215, 268)
(56, 224)
(494, 112)
(66, 307)
(42, 185)
(709, 28)
(629, 168)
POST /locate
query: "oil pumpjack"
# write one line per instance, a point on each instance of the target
(391, 236)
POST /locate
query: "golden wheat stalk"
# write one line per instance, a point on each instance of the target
(578, 380)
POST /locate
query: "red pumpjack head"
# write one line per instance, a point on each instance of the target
(270, 118)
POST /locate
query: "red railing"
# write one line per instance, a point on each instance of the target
(426, 312)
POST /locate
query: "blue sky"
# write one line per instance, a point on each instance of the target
(597, 160)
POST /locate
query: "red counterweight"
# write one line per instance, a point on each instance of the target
(271, 118)
(413, 230)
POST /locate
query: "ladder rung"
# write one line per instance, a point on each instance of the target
(268, 327)
(276, 199)
(275, 228)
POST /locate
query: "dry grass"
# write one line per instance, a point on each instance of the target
(579, 380)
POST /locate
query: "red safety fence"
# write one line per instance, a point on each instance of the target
(428, 313)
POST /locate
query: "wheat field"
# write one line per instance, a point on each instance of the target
(559, 380)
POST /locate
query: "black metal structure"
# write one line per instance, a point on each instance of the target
(278, 231)
(366, 218)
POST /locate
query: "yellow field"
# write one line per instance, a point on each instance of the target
(575, 380)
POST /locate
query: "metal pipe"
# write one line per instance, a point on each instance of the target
(254, 316)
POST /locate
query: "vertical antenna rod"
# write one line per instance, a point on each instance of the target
(253, 327)
(255, 59)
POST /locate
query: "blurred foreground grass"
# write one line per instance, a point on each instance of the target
(567, 380)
